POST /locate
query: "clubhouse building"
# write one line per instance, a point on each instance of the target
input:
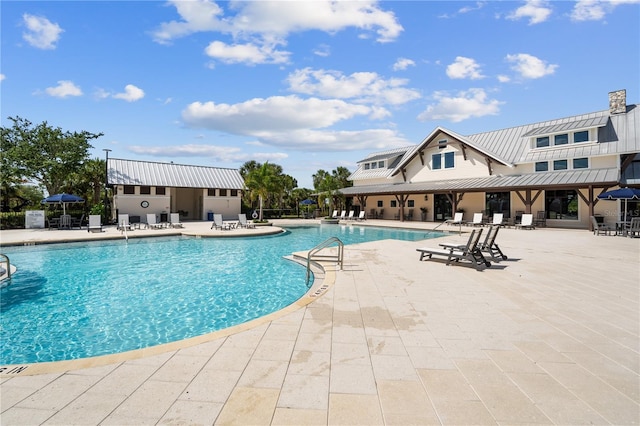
(553, 169)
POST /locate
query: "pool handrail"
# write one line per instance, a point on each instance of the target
(337, 257)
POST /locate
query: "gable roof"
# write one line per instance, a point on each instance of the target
(397, 155)
(129, 172)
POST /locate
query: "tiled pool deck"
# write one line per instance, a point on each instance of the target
(549, 336)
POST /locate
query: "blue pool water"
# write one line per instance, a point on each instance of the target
(77, 300)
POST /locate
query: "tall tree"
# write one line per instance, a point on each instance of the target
(43, 154)
(262, 181)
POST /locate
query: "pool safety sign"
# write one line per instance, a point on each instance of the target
(34, 219)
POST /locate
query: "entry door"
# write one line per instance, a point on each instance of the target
(441, 207)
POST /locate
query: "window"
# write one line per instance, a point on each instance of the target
(442, 144)
(380, 164)
(223, 192)
(380, 203)
(560, 165)
(145, 190)
(374, 165)
(410, 203)
(582, 136)
(498, 202)
(211, 192)
(129, 189)
(436, 161)
(160, 190)
(234, 192)
(393, 203)
(561, 204)
(448, 160)
(542, 142)
(542, 166)
(367, 166)
(580, 163)
(562, 139)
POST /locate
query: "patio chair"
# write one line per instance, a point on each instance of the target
(409, 215)
(77, 223)
(489, 244)
(123, 222)
(243, 223)
(351, 213)
(498, 219)
(343, 215)
(218, 223)
(362, 215)
(526, 222)
(334, 215)
(633, 230)
(175, 221)
(95, 223)
(601, 227)
(469, 252)
(477, 220)
(541, 218)
(152, 221)
(457, 219)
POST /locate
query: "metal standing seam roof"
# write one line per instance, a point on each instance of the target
(570, 178)
(587, 123)
(400, 153)
(130, 172)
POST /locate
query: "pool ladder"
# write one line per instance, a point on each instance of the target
(313, 254)
(5, 259)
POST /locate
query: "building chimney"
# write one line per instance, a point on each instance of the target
(618, 102)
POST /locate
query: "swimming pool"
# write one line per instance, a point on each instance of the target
(77, 300)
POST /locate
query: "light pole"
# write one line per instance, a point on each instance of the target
(107, 210)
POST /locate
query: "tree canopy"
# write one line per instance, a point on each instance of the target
(42, 154)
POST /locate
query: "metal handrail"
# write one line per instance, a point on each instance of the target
(313, 253)
(6, 259)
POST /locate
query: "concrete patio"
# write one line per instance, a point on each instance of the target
(549, 336)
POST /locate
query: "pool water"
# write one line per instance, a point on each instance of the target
(77, 300)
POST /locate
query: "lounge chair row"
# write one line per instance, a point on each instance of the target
(472, 252)
(220, 223)
(351, 216)
(526, 221)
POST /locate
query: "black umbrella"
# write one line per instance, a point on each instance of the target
(625, 194)
(63, 199)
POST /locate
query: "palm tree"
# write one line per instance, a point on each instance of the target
(262, 181)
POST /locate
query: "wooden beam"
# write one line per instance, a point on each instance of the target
(421, 154)
(488, 161)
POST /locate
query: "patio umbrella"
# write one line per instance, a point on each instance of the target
(308, 202)
(625, 194)
(63, 199)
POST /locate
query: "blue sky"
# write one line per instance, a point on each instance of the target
(307, 85)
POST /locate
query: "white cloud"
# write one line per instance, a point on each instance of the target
(537, 11)
(131, 93)
(530, 67)
(63, 89)
(366, 87)
(464, 105)
(292, 122)
(259, 27)
(504, 78)
(324, 50)
(41, 32)
(464, 68)
(218, 154)
(595, 10)
(246, 53)
(402, 64)
(2, 77)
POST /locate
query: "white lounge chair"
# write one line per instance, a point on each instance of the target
(477, 220)
(350, 217)
(95, 223)
(243, 223)
(454, 252)
(152, 222)
(123, 222)
(498, 219)
(218, 223)
(175, 220)
(343, 215)
(334, 215)
(362, 215)
(457, 219)
(526, 222)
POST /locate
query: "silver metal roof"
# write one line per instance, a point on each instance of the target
(588, 123)
(570, 178)
(129, 172)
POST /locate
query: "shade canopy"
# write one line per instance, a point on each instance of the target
(63, 199)
(308, 202)
(625, 194)
(621, 194)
